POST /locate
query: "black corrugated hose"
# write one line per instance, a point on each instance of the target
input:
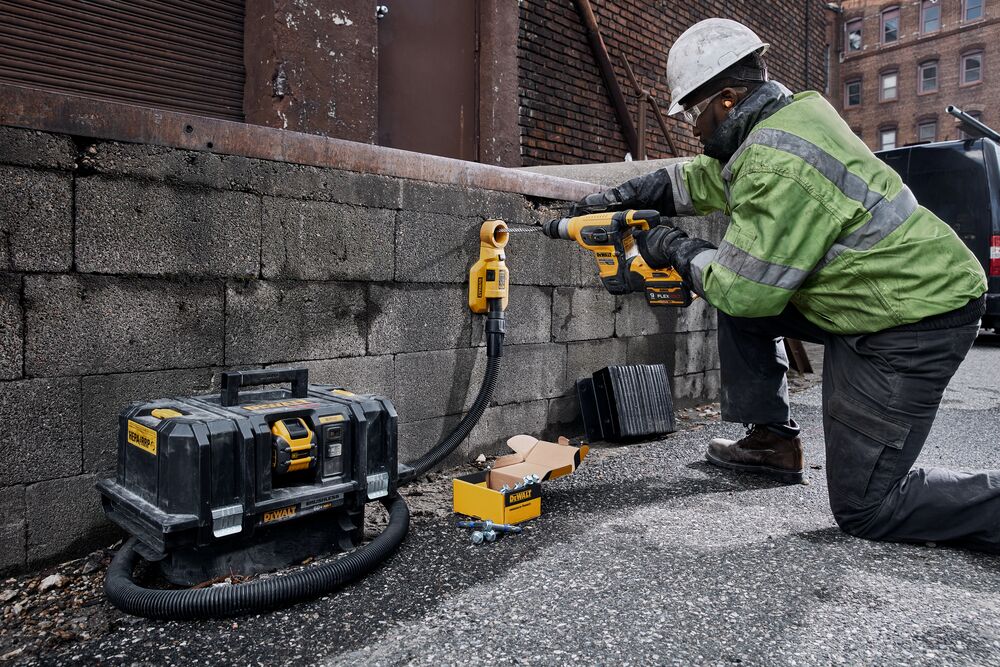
(312, 582)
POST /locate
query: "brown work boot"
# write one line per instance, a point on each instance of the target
(762, 451)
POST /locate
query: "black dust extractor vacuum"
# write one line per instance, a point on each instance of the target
(253, 480)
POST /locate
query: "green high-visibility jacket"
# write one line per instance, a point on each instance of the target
(819, 221)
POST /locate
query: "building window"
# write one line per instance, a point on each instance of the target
(930, 16)
(853, 39)
(928, 76)
(852, 93)
(972, 10)
(927, 130)
(888, 89)
(890, 25)
(887, 138)
(972, 68)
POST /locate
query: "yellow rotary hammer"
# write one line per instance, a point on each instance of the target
(622, 269)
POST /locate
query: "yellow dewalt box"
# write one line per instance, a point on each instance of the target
(479, 494)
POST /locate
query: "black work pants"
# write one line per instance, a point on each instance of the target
(880, 395)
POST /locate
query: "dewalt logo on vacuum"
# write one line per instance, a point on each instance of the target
(278, 515)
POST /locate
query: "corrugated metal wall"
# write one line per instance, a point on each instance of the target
(184, 55)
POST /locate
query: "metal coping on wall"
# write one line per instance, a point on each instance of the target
(85, 117)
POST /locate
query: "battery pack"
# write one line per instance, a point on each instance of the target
(247, 481)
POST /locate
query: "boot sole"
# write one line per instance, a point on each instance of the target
(786, 476)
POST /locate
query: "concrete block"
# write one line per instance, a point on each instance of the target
(11, 328)
(530, 373)
(535, 259)
(36, 209)
(269, 322)
(326, 241)
(12, 529)
(362, 375)
(105, 396)
(502, 422)
(654, 349)
(696, 388)
(30, 148)
(637, 318)
(587, 267)
(65, 518)
(414, 317)
(563, 418)
(585, 357)
(528, 315)
(280, 179)
(98, 324)
(696, 352)
(161, 163)
(41, 421)
(125, 226)
(580, 313)
(437, 248)
(432, 384)
(699, 316)
(417, 438)
(422, 196)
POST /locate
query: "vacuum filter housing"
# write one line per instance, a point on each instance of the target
(250, 481)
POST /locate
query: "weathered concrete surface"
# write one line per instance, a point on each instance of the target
(274, 321)
(41, 430)
(36, 220)
(646, 555)
(80, 324)
(308, 240)
(199, 232)
(11, 328)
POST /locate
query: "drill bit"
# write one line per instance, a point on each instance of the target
(523, 229)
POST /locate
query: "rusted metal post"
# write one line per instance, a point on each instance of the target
(608, 74)
(646, 96)
(797, 355)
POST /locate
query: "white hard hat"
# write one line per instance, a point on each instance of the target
(705, 50)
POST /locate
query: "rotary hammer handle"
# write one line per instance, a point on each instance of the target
(621, 267)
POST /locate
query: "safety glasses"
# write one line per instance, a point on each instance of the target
(691, 114)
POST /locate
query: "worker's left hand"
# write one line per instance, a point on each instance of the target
(649, 191)
(667, 246)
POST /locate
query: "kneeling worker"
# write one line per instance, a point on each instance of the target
(827, 245)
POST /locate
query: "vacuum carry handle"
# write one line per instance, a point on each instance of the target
(233, 380)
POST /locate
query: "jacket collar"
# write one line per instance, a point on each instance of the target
(754, 108)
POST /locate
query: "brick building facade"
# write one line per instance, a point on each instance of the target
(565, 114)
(900, 64)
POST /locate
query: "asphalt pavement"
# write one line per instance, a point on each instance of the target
(646, 555)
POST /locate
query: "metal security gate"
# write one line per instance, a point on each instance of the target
(428, 77)
(182, 55)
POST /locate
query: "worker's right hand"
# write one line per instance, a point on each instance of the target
(649, 191)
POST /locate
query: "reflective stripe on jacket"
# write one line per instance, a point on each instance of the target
(819, 221)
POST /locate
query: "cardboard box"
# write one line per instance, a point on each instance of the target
(479, 495)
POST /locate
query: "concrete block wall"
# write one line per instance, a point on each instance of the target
(130, 272)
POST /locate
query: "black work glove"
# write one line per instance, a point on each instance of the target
(666, 246)
(649, 191)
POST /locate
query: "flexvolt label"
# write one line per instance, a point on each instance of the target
(142, 437)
